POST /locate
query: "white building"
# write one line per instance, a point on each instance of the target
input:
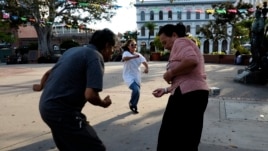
(253, 2)
(191, 12)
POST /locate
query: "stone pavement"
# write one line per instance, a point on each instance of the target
(236, 120)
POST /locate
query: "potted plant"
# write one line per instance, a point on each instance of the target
(156, 56)
(145, 52)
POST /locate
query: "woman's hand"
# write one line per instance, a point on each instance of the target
(158, 92)
(146, 70)
(136, 56)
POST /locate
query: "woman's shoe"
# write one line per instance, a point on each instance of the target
(134, 109)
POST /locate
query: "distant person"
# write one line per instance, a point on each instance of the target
(238, 58)
(131, 72)
(182, 121)
(75, 79)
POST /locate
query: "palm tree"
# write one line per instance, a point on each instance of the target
(150, 26)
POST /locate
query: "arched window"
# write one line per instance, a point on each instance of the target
(197, 15)
(151, 15)
(206, 16)
(142, 31)
(188, 14)
(170, 15)
(215, 45)
(179, 15)
(188, 28)
(143, 46)
(206, 47)
(160, 15)
(142, 16)
(197, 29)
(152, 46)
(224, 45)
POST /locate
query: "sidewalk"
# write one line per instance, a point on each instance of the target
(236, 120)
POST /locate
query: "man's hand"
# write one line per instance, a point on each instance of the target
(106, 101)
(37, 87)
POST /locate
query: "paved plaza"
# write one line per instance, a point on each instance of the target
(235, 120)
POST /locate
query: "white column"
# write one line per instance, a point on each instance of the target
(220, 45)
(210, 46)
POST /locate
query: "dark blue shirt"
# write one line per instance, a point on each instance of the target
(77, 69)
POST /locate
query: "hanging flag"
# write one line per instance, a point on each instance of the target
(69, 26)
(116, 6)
(221, 11)
(242, 11)
(83, 4)
(23, 19)
(210, 11)
(199, 10)
(73, 2)
(14, 18)
(251, 10)
(83, 26)
(6, 15)
(31, 19)
(232, 11)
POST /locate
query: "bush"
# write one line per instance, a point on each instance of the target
(68, 44)
(218, 53)
(242, 50)
(165, 56)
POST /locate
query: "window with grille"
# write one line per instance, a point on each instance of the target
(151, 15)
(142, 16)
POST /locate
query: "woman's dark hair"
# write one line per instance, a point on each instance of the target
(101, 37)
(126, 44)
(169, 29)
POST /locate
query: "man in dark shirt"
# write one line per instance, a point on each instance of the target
(76, 78)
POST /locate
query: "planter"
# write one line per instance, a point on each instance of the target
(212, 58)
(227, 59)
(165, 56)
(155, 56)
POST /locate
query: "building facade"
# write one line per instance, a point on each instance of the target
(192, 13)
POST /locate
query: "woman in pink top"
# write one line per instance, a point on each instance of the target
(182, 121)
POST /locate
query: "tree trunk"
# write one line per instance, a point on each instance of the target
(149, 37)
(44, 39)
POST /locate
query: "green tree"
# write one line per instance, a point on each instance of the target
(43, 13)
(150, 27)
(157, 43)
(131, 35)
(218, 28)
(5, 33)
(242, 31)
(68, 44)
